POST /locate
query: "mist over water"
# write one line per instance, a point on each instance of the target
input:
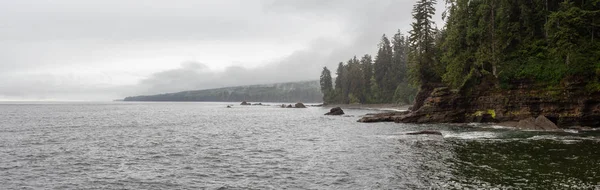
(205, 145)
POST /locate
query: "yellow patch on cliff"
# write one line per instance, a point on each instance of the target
(480, 113)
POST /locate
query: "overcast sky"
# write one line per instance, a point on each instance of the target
(109, 49)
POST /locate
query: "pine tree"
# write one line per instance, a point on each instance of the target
(422, 43)
(366, 62)
(383, 69)
(341, 84)
(355, 80)
(399, 57)
(326, 85)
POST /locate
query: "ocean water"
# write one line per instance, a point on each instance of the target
(135, 145)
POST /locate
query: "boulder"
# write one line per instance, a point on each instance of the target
(282, 105)
(545, 124)
(257, 104)
(539, 123)
(244, 103)
(425, 132)
(228, 106)
(289, 106)
(528, 123)
(335, 111)
(299, 105)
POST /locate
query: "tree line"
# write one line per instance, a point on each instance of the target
(541, 41)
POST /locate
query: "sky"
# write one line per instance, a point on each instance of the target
(97, 50)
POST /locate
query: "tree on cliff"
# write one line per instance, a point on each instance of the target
(421, 39)
(536, 41)
(326, 85)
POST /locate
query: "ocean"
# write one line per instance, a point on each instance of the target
(188, 145)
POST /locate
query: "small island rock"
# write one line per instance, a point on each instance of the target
(299, 105)
(335, 111)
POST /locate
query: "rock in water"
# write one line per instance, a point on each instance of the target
(244, 103)
(426, 132)
(539, 123)
(299, 105)
(528, 123)
(335, 111)
(542, 122)
(290, 106)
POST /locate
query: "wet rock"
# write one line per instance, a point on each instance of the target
(425, 132)
(289, 106)
(539, 123)
(257, 104)
(244, 103)
(228, 106)
(383, 117)
(528, 123)
(299, 105)
(335, 111)
(482, 100)
(544, 123)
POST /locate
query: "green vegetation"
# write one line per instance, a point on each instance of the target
(543, 42)
(384, 80)
(283, 92)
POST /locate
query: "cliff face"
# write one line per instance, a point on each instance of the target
(567, 106)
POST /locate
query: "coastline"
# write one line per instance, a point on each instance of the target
(375, 107)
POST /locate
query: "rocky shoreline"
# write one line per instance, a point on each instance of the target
(568, 107)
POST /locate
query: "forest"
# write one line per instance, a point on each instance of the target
(306, 91)
(542, 42)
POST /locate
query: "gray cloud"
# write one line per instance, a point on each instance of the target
(39, 36)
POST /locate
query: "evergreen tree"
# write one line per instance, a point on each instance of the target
(355, 80)
(366, 63)
(399, 57)
(326, 85)
(422, 43)
(383, 69)
(341, 84)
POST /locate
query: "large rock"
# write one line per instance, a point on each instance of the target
(528, 123)
(482, 100)
(335, 111)
(545, 124)
(383, 117)
(244, 103)
(299, 105)
(539, 123)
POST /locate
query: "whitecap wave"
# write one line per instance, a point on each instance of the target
(472, 135)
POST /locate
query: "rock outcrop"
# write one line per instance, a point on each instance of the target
(299, 105)
(335, 111)
(483, 101)
(244, 103)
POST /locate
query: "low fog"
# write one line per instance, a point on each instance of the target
(104, 50)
